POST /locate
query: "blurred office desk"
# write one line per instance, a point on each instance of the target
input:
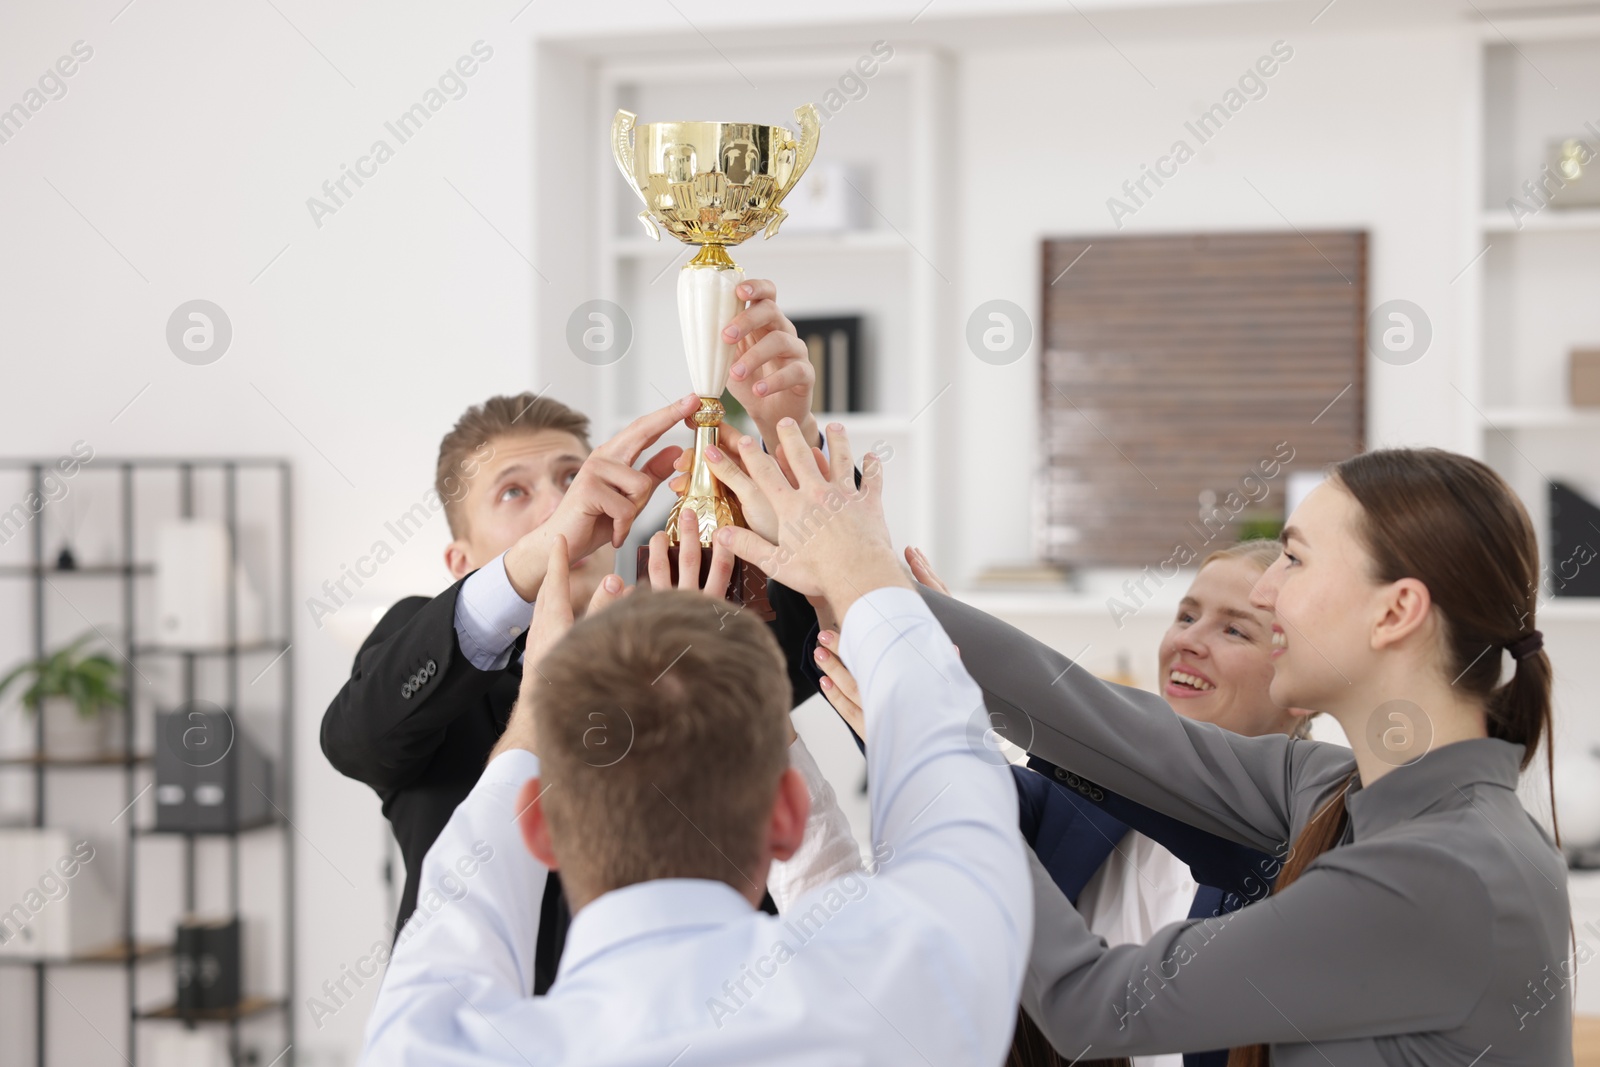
(1586, 1041)
(1584, 887)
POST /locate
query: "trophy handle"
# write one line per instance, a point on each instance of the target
(772, 226)
(622, 146)
(810, 134)
(622, 151)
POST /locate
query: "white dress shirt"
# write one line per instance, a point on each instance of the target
(828, 848)
(1140, 888)
(920, 962)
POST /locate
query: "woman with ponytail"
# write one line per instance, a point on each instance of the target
(1421, 915)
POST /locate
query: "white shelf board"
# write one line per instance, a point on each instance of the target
(860, 423)
(1053, 602)
(1550, 220)
(1535, 28)
(1569, 609)
(824, 65)
(1066, 603)
(1542, 418)
(1007, 603)
(798, 243)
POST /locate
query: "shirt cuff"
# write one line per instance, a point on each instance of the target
(490, 616)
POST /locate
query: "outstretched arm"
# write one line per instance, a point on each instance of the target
(466, 954)
(1355, 948)
(1253, 790)
(408, 683)
(943, 817)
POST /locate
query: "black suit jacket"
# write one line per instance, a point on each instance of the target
(416, 722)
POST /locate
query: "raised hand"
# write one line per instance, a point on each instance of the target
(832, 539)
(604, 499)
(772, 375)
(552, 618)
(923, 572)
(838, 684)
(659, 570)
(726, 465)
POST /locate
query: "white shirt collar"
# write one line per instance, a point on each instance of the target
(648, 909)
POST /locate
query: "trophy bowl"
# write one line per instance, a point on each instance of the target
(713, 183)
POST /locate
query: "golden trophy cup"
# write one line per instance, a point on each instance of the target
(711, 184)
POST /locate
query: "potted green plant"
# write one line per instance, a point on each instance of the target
(74, 690)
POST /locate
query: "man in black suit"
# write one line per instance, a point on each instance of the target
(433, 684)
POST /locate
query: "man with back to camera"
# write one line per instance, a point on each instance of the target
(433, 684)
(663, 852)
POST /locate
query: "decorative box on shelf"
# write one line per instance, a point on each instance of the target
(208, 965)
(830, 198)
(1584, 382)
(1574, 160)
(211, 776)
(58, 903)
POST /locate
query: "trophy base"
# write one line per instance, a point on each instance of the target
(747, 588)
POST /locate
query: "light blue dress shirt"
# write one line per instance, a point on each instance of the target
(920, 962)
(490, 616)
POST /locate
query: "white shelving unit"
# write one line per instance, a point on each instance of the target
(1571, 221)
(1531, 299)
(891, 273)
(1541, 419)
(1526, 304)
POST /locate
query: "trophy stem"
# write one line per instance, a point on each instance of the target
(708, 498)
(713, 256)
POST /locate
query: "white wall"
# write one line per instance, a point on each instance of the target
(191, 141)
(193, 137)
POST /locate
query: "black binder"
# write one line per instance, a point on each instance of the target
(1574, 565)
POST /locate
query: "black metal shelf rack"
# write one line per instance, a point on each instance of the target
(129, 952)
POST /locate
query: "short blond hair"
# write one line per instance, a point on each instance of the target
(663, 733)
(498, 416)
(1258, 550)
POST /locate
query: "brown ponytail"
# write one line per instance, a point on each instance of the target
(1324, 831)
(1453, 524)
(1030, 1048)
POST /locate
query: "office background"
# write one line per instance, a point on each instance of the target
(190, 156)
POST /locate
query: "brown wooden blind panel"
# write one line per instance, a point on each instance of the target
(1173, 366)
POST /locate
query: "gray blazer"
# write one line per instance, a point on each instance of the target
(1437, 933)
